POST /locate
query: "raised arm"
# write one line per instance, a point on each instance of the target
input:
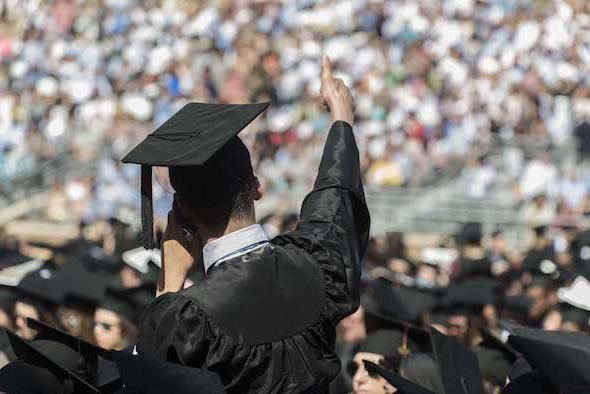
(334, 216)
(340, 167)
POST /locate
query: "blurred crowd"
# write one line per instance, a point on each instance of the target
(438, 85)
(472, 287)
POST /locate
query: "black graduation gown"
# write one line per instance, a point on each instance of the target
(265, 321)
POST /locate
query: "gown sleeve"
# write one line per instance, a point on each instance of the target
(334, 221)
(173, 328)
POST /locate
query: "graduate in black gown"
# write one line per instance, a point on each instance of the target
(264, 315)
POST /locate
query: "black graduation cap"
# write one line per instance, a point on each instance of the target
(80, 285)
(387, 343)
(8, 297)
(145, 374)
(10, 258)
(381, 314)
(19, 377)
(530, 383)
(399, 302)
(41, 285)
(519, 305)
(200, 145)
(129, 302)
(491, 341)
(101, 371)
(458, 365)
(561, 357)
(402, 385)
(572, 314)
(472, 293)
(495, 357)
(59, 359)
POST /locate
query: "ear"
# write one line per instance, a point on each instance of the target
(258, 189)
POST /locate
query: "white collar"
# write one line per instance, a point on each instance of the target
(233, 245)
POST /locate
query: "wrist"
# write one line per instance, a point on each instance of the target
(346, 115)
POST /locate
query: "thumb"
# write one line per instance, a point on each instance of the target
(326, 68)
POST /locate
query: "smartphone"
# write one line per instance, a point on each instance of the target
(188, 228)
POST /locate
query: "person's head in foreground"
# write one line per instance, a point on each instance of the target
(227, 203)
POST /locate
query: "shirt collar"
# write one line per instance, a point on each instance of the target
(233, 245)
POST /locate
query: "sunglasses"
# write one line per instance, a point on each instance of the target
(352, 368)
(104, 326)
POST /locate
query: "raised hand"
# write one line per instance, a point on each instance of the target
(336, 95)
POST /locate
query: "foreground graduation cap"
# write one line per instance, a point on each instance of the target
(402, 385)
(101, 370)
(458, 365)
(495, 357)
(55, 358)
(561, 357)
(199, 135)
(145, 374)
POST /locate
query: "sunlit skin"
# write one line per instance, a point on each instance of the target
(111, 337)
(570, 326)
(5, 320)
(362, 383)
(22, 311)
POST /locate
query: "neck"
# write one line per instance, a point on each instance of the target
(231, 227)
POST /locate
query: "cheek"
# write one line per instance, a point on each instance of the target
(376, 385)
(116, 333)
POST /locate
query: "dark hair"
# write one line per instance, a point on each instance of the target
(239, 208)
(128, 331)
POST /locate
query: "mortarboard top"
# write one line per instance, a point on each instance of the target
(402, 385)
(378, 316)
(472, 293)
(530, 383)
(518, 304)
(145, 374)
(19, 377)
(491, 341)
(80, 285)
(572, 314)
(495, 357)
(10, 258)
(41, 285)
(458, 365)
(192, 137)
(100, 369)
(8, 296)
(400, 302)
(52, 356)
(561, 357)
(128, 302)
(387, 343)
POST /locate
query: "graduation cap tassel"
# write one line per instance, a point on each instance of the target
(147, 213)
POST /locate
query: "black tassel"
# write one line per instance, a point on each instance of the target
(147, 213)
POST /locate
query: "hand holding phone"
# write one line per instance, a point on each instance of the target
(180, 245)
